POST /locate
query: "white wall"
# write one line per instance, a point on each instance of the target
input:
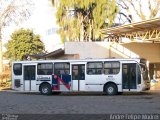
(149, 51)
(88, 49)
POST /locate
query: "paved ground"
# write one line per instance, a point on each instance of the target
(82, 103)
(156, 86)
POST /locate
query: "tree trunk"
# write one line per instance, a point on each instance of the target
(90, 30)
(1, 58)
(81, 29)
(82, 32)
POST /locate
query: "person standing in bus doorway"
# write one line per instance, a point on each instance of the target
(82, 75)
(133, 78)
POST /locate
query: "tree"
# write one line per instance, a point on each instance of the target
(12, 12)
(22, 43)
(81, 20)
(130, 8)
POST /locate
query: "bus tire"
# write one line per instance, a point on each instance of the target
(45, 89)
(111, 89)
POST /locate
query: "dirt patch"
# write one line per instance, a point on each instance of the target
(156, 86)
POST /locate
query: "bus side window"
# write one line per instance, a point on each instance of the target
(110, 71)
(61, 68)
(99, 72)
(111, 67)
(66, 72)
(49, 72)
(94, 68)
(40, 72)
(44, 68)
(57, 72)
(89, 72)
(62, 72)
(17, 69)
(106, 71)
(139, 75)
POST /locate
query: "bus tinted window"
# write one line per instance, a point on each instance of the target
(17, 69)
(111, 67)
(144, 71)
(94, 68)
(139, 74)
(44, 69)
(78, 72)
(61, 68)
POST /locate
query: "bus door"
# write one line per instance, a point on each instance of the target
(129, 76)
(78, 77)
(29, 74)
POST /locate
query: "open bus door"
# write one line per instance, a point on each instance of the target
(129, 76)
(29, 75)
(78, 77)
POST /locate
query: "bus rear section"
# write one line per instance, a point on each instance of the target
(24, 77)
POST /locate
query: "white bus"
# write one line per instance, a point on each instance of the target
(111, 76)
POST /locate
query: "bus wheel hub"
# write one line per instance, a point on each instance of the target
(110, 89)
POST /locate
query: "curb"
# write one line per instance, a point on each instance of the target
(7, 89)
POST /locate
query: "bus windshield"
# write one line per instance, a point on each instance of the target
(144, 71)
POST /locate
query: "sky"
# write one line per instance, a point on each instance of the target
(43, 22)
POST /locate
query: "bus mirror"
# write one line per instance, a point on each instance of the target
(143, 67)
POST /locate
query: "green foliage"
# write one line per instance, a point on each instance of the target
(81, 20)
(23, 42)
(53, 2)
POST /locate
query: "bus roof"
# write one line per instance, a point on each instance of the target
(82, 60)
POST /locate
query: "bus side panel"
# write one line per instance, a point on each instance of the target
(97, 82)
(61, 83)
(43, 79)
(17, 82)
(94, 83)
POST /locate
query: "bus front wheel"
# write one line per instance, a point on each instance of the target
(111, 89)
(45, 89)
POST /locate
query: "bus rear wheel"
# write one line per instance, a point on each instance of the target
(45, 89)
(110, 89)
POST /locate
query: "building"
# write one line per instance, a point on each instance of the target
(135, 40)
(56, 54)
